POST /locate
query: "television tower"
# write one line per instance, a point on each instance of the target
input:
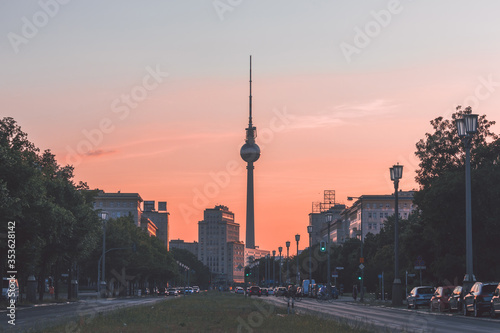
(250, 153)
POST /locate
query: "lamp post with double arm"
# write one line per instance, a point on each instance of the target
(397, 299)
(309, 231)
(466, 128)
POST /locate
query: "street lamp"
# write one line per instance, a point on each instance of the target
(102, 281)
(466, 128)
(297, 238)
(280, 249)
(329, 275)
(274, 268)
(396, 174)
(310, 230)
(361, 258)
(288, 261)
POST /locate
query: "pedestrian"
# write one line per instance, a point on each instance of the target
(51, 291)
(355, 292)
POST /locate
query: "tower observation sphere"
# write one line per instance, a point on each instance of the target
(250, 152)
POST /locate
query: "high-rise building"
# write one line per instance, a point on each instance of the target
(219, 246)
(159, 218)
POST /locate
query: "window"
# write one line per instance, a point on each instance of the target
(385, 214)
(369, 215)
(381, 215)
(387, 205)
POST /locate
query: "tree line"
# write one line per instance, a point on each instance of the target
(435, 232)
(58, 234)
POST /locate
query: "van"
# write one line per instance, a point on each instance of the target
(10, 289)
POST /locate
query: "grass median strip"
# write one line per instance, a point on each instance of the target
(206, 312)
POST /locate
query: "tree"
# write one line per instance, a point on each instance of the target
(441, 198)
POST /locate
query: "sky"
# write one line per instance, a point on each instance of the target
(151, 97)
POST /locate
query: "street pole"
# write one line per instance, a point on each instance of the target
(396, 174)
(328, 272)
(274, 268)
(104, 217)
(361, 298)
(309, 231)
(280, 249)
(297, 280)
(287, 261)
(466, 128)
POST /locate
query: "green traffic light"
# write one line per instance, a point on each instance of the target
(359, 277)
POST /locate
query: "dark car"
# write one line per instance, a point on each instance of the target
(478, 299)
(264, 291)
(419, 296)
(280, 291)
(254, 290)
(440, 300)
(495, 302)
(455, 299)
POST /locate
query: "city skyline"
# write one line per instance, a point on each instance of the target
(152, 98)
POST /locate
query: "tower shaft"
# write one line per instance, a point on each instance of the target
(250, 223)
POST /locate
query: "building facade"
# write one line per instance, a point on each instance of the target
(218, 237)
(154, 222)
(159, 217)
(368, 214)
(319, 222)
(180, 244)
(120, 205)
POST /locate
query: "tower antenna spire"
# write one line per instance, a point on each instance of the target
(250, 97)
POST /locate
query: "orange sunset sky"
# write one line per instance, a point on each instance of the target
(152, 97)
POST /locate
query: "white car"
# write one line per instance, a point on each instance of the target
(239, 290)
(10, 289)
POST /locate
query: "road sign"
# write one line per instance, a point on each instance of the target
(361, 266)
(411, 275)
(335, 274)
(339, 268)
(420, 267)
(361, 260)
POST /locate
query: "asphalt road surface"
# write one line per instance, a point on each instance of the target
(47, 315)
(394, 319)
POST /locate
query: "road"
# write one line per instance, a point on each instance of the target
(50, 314)
(394, 319)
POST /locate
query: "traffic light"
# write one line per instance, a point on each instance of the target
(322, 246)
(359, 278)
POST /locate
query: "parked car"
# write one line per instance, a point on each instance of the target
(254, 290)
(495, 302)
(239, 290)
(172, 292)
(196, 289)
(270, 291)
(478, 299)
(264, 291)
(280, 291)
(188, 291)
(455, 299)
(419, 296)
(440, 300)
